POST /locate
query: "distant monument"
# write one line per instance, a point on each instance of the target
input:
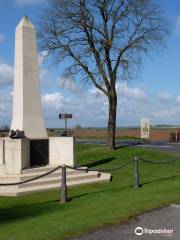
(145, 128)
(27, 109)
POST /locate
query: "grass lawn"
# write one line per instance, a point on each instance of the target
(126, 138)
(41, 216)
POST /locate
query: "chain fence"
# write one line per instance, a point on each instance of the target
(159, 162)
(31, 179)
(64, 198)
(124, 164)
(73, 168)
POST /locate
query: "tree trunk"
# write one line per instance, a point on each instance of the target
(112, 120)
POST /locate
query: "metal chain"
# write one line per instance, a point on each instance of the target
(88, 169)
(55, 169)
(102, 170)
(31, 179)
(159, 162)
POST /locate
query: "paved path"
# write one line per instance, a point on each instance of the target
(158, 145)
(167, 218)
(163, 146)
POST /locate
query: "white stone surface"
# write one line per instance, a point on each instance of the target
(27, 109)
(1, 156)
(61, 151)
(16, 155)
(1, 151)
(53, 181)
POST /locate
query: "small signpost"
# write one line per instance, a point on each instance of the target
(65, 116)
(145, 128)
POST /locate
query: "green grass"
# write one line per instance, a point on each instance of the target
(126, 138)
(41, 216)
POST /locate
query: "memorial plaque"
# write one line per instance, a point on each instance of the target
(145, 128)
(39, 152)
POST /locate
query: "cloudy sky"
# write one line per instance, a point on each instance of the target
(154, 94)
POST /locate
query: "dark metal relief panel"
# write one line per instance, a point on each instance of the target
(39, 152)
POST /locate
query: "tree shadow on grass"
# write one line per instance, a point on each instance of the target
(23, 212)
(160, 179)
(99, 162)
(129, 144)
(124, 187)
(29, 211)
(99, 192)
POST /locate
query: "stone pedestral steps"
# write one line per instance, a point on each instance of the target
(49, 182)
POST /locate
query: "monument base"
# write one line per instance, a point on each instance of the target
(19, 162)
(14, 155)
(19, 154)
(48, 182)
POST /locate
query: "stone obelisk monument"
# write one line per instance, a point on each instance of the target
(28, 145)
(27, 108)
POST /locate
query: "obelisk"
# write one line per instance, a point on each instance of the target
(27, 106)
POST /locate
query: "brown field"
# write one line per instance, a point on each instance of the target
(155, 134)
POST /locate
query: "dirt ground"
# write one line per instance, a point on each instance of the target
(155, 134)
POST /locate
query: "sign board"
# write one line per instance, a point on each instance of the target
(65, 116)
(145, 128)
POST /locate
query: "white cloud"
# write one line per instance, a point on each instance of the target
(90, 108)
(177, 30)
(43, 74)
(129, 92)
(164, 96)
(2, 38)
(47, 81)
(6, 74)
(5, 107)
(69, 85)
(26, 2)
(53, 100)
(178, 99)
(42, 56)
(85, 108)
(167, 114)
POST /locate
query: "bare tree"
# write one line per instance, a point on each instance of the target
(102, 39)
